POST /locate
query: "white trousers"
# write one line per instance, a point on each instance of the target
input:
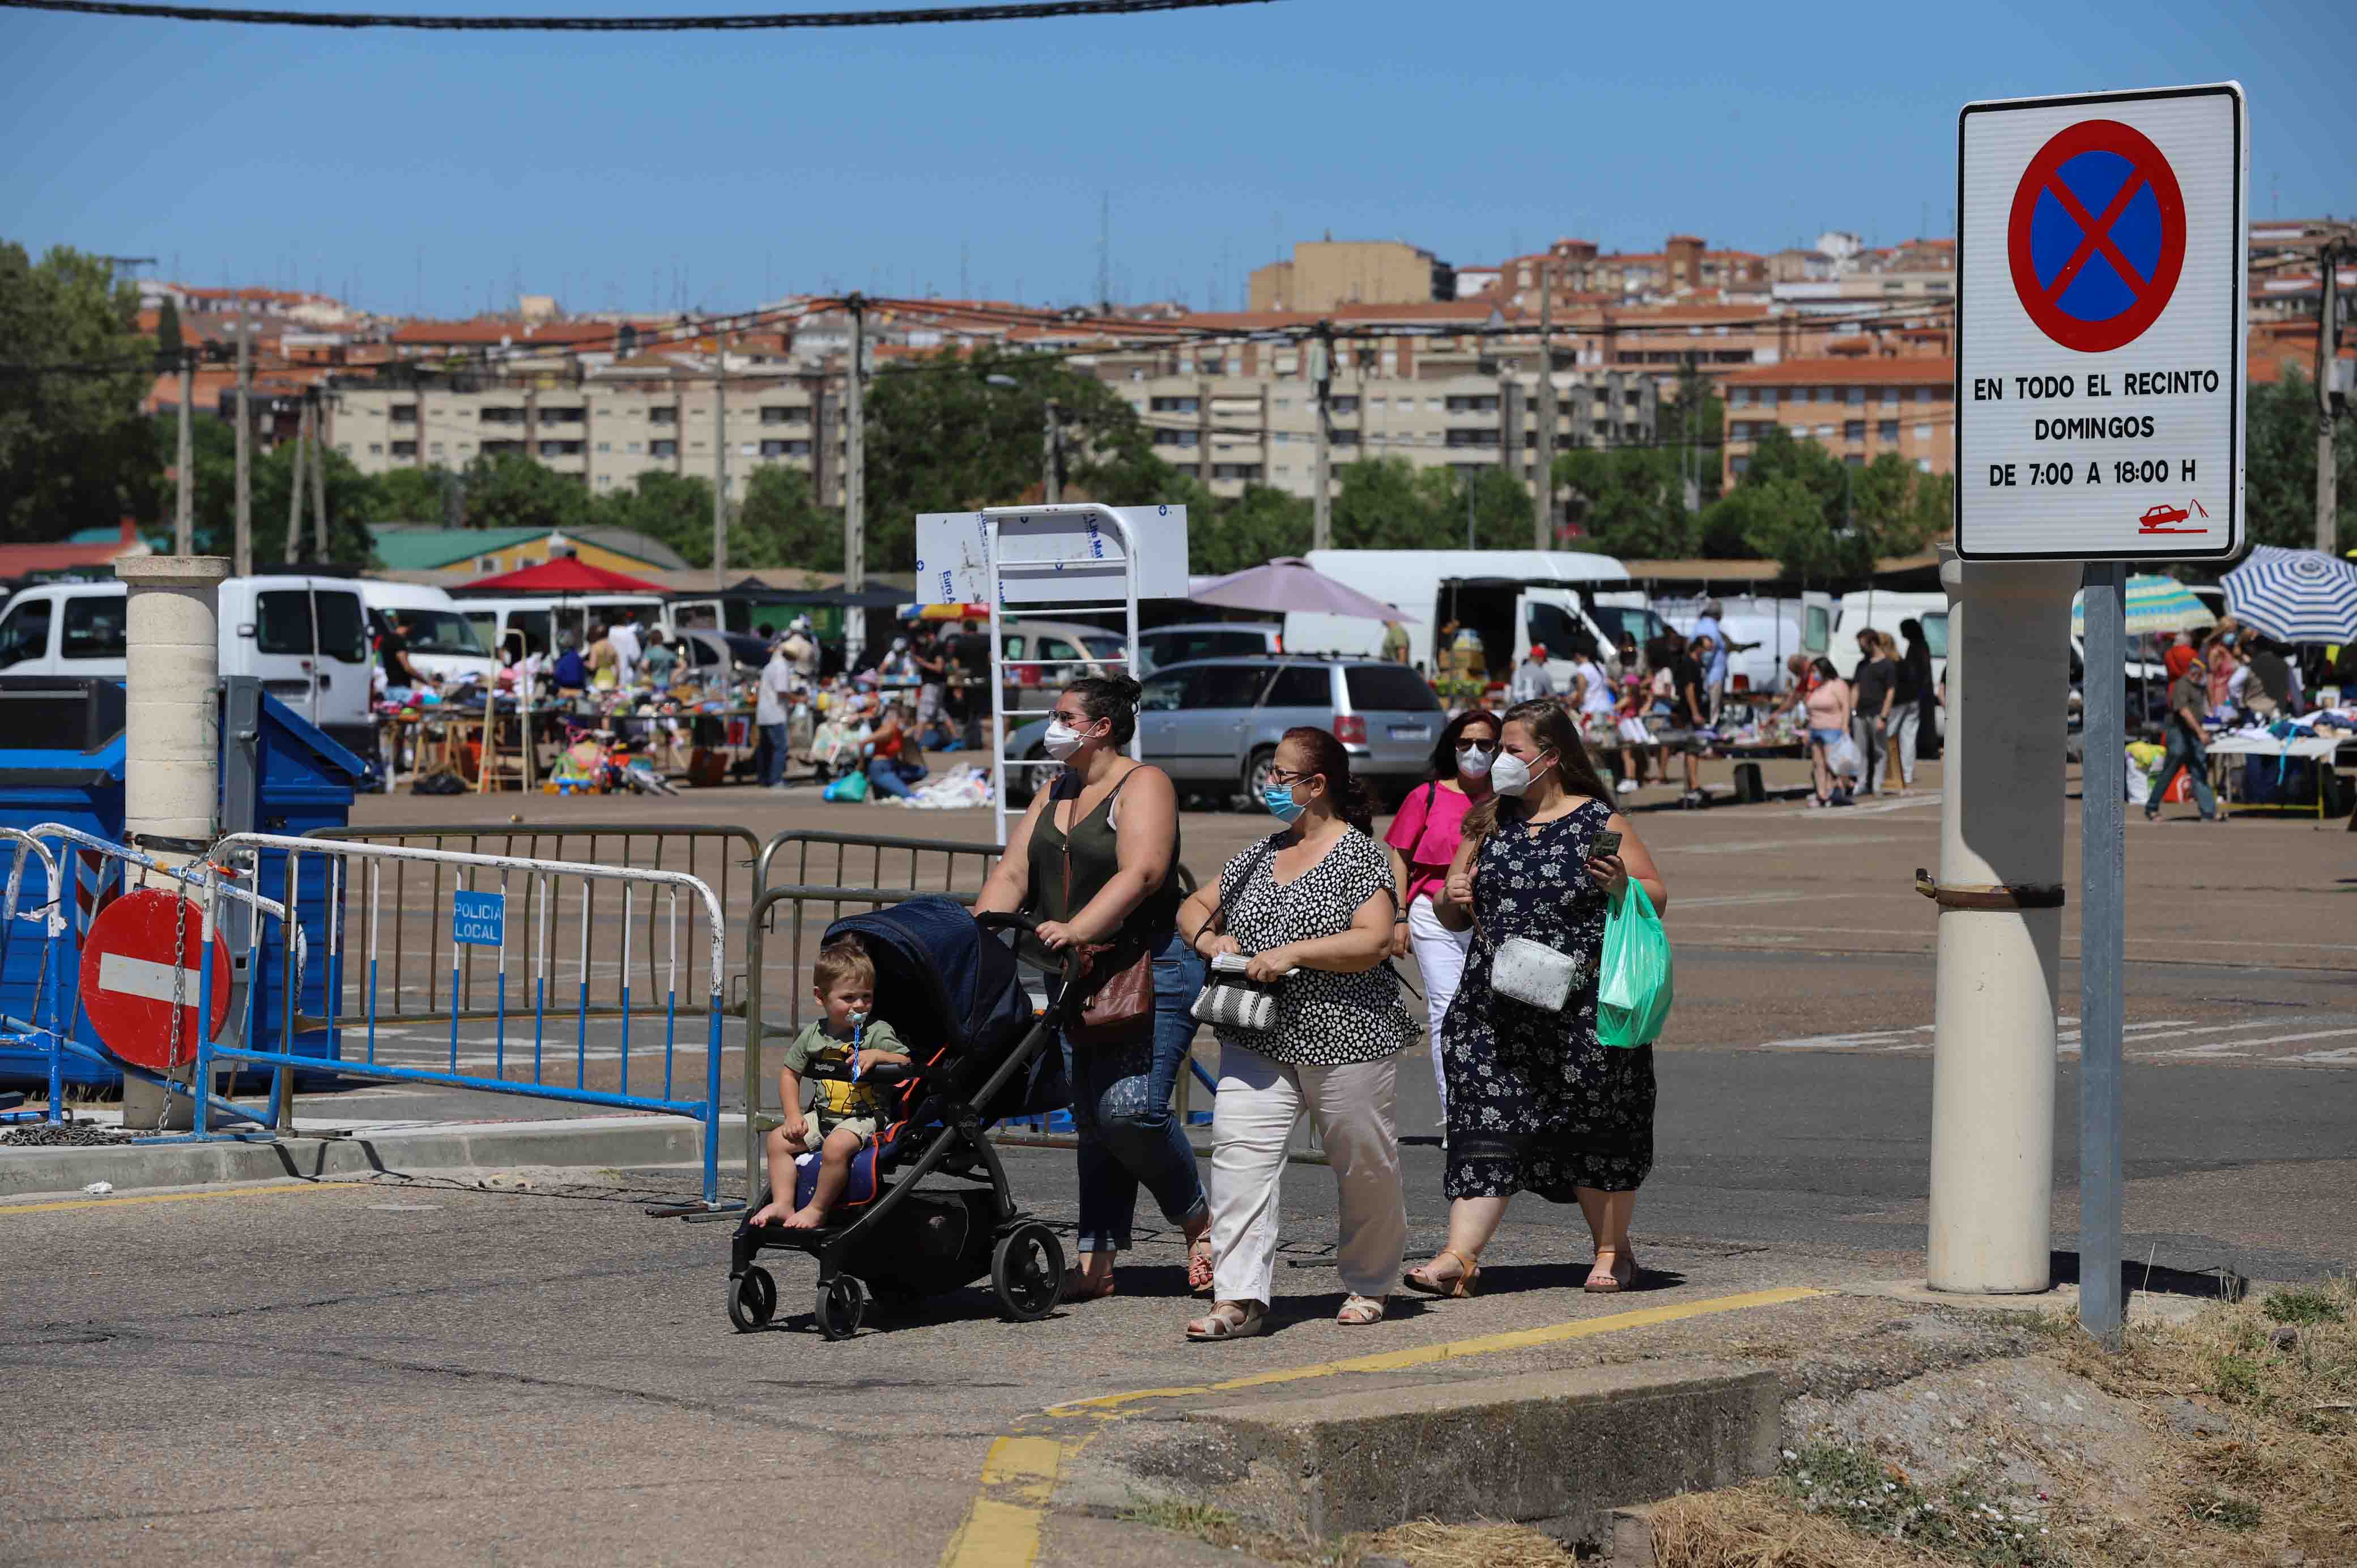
(1440, 956)
(1906, 723)
(1252, 1119)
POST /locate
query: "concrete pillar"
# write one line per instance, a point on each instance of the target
(1999, 986)
(171, 730)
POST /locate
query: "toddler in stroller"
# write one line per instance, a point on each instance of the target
(839, 1052)
(974, 1051)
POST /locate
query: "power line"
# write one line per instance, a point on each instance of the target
(1036, 10)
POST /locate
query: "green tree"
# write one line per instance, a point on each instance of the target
(941, 437)
(1782, 520)
(1628, 500)
(75, 452)
(2279, 478)
(167, 332)
(511, 490)
(1260, 525)
(213, 524)
(1691, 424)
(780, 523)
(673, 507)
(409, 494)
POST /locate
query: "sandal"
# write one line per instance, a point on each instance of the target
(1456, 1288)
(1078, 1287)
(1229, 1320)
(1608, 1280)
(1199, 1262)
(1359, 1310)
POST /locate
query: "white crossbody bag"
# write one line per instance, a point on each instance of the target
(1532, 973)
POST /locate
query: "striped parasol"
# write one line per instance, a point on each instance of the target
(2295, 595)
(2153, 604)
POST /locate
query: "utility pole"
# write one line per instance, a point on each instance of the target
(1051, 488)
(294, 550)
(2328, 499)
(1321, 370)
(184, 508)
(241, 548)
(854, 480)
(720, 464)
(319, 477)
(1544, 529)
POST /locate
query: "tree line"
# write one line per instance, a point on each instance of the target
(955, 431)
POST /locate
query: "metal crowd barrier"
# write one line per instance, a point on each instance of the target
(932, 865)
(38, 1029)
(418, 951)
(202, 884)
(347, 893)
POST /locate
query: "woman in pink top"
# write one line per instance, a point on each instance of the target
(1423, 839)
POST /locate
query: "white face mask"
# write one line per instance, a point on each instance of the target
(1061, 740)
(1510, 775)
(1476, 763)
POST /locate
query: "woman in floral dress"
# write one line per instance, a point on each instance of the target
(1535, 1101)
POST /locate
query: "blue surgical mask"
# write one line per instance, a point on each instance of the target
(1281, 803)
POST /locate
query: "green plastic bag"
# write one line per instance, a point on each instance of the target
(1634, 996)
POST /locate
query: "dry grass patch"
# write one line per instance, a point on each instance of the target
(1420, 1543)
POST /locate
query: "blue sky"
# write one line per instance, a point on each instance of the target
(722, 168)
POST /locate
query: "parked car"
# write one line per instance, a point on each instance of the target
(1213, 723)
(1043, 655)
(1169, 645)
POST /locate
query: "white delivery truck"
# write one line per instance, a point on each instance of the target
(1512, 598)
(1780, 628)
(539, 617)
(306, 638)
(1884, 610)
(443, 643)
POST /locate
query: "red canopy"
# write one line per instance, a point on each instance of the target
(567, 575)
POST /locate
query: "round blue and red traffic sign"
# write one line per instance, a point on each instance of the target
(2097, 238)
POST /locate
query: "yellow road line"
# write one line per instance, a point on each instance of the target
(173, 1198)
(1001, 1528)
(1454, 1349)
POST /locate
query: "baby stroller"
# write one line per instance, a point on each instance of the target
(950, 986)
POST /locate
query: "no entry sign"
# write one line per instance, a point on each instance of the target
(2101, 319)
(127, 964)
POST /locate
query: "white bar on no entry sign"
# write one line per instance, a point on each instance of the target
(145, 977)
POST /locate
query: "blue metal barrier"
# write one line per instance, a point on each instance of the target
(485, 893)
(37, 1030)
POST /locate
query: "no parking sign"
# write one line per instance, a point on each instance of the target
(2101, 305)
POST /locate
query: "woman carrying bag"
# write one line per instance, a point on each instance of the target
(1096, 857)
(1311, 909)
(1423, 839)
(1537, 1101)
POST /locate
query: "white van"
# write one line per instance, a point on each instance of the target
(306, 638)
(1512, 597)
(1780, 628)
(540, 616)
(443, 643)
(1883, 611)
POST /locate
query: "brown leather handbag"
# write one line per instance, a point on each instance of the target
(1120, 1005)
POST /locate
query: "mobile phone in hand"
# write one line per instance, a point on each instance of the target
(1607, 844)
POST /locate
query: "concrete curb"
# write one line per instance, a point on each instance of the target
(604, 1142)
(1561, 1449)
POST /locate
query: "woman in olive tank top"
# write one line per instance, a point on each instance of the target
(1110, 824)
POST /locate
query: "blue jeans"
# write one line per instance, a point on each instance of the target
(773, 759)
(2183, 751)
(892, 776)
(1120, 1110)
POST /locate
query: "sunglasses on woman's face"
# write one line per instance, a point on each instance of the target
(1467, 742)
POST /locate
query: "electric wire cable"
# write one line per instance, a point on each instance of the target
(1036, 10)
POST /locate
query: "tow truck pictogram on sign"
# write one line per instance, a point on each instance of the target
(2159, 519)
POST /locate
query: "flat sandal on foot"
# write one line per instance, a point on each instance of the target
(1609, 1281)
(1229, 1320)
(1078, 1287)
(1463, 1285)
(1362, 1311)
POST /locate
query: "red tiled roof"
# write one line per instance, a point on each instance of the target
(493, 332)
(16, 560)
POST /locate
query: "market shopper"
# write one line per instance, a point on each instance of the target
(1312, 907)
(1095, 857)
(2186, 744)
(1828, 704)
(1423, 839)
(1874, 690)
(1537, 1102)
(1690, 711)
(770, 713)
(1911, 698)
(895, 758)
(1532, 679)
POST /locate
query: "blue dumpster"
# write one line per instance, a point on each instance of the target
(63, 763)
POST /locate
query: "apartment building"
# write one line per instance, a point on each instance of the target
(1324, 274)
(1855, 408)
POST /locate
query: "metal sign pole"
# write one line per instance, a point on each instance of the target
(2102, 898)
